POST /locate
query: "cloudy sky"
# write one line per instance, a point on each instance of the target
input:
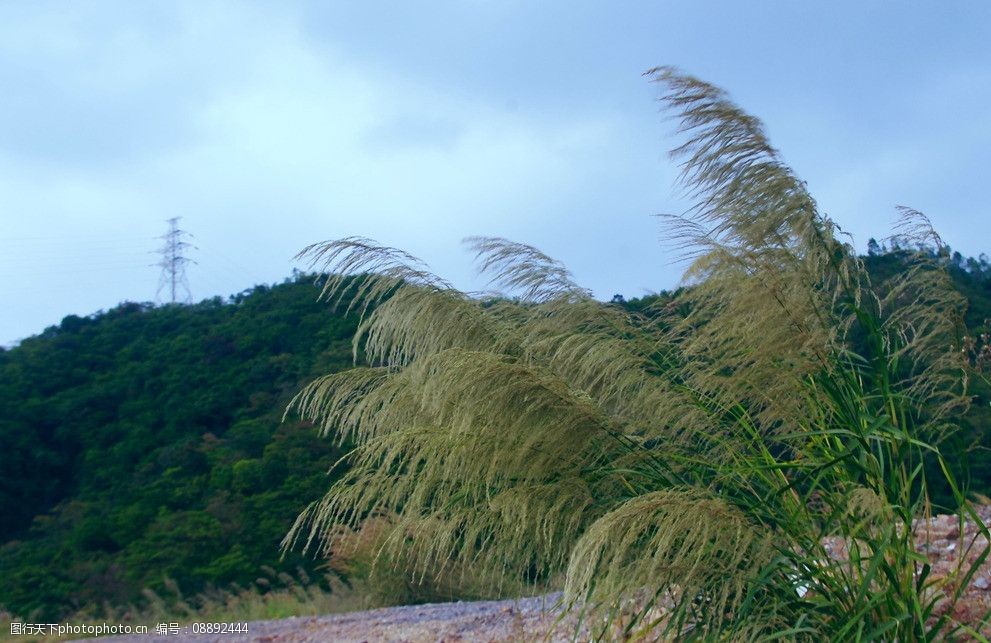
(270, 125)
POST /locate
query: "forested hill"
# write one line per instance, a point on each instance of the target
(146, 442)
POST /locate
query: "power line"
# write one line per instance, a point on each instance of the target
(174, 262)
(69, 238)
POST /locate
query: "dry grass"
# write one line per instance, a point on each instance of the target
(275, 596)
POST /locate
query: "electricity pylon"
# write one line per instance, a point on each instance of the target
(173, 263)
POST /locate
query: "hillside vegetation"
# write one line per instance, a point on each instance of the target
(145, 443)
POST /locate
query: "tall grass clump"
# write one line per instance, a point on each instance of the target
(689, 473)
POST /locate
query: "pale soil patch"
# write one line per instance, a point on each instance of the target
(482, 621)
(940, 539)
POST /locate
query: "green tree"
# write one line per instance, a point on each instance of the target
(145, 442)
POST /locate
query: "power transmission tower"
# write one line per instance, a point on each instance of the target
(174, 262)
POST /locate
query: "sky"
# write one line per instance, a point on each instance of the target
(267, 126)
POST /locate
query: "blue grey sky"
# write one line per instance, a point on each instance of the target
(270, 125)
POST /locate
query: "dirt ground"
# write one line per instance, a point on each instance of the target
(483, 621)
(539, 618)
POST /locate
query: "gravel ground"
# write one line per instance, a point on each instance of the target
(940, 539)
(488, 621)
